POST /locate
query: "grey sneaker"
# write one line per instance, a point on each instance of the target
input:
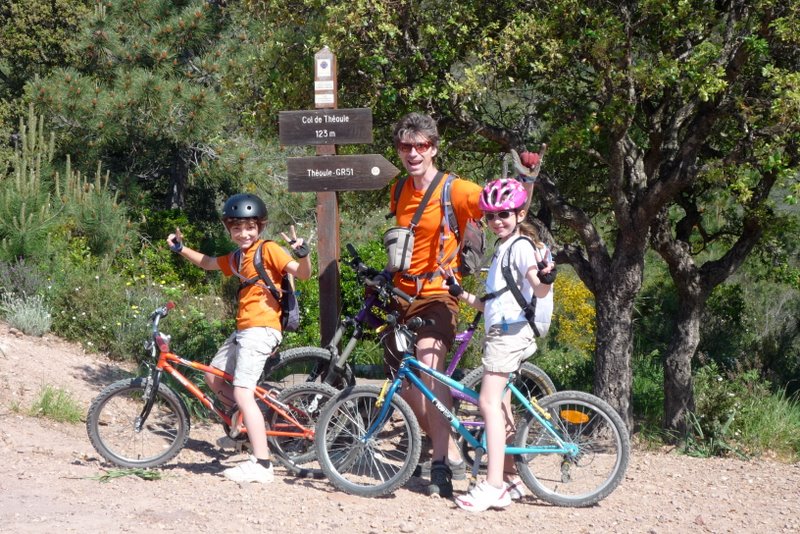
(458, 470)
(441, 480)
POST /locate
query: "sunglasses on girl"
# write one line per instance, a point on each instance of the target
(505, 214)
(421, 147)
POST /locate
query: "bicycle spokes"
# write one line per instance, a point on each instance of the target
(589, 450)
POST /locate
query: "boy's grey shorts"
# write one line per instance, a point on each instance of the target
(244, 354)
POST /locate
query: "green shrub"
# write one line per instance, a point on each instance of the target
(95, 214)
(770, 423)
(198, 326)
(102, 309)
(719, 401)
(27, 313)
(58, 405)
(648, 391)
(20, 277)
(568, 368)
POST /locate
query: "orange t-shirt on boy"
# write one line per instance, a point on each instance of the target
(257, 306)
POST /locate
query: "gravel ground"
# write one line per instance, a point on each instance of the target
(49, 480)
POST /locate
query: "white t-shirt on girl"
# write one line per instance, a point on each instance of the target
(504, 308)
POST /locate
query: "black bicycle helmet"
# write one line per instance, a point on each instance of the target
(244, 206)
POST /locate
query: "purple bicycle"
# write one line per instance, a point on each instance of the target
(329, 365)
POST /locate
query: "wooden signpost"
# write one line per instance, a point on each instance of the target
(325, 127)
(326, 173)
(340, 173)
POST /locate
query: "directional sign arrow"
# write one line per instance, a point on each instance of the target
(340, 173)
(325, 126)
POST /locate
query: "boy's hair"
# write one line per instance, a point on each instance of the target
(413, 124)
(230, 221)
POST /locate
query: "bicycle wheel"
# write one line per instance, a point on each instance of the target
(304, 402)
(112, 418)
(532, 382)
(603, 450)
(301, 365)
(367, 466)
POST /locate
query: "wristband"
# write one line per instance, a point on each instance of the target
(453, 286)
(176, 247)
(547, 278)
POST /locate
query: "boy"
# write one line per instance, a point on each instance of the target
(258, 325)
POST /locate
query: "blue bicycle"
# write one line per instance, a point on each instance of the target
(571, 448)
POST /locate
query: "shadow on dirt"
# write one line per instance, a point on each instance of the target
(102, 375)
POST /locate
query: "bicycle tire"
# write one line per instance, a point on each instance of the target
(302, 365)
(112, 416)
(376, 467)
(305, 402)
(530, 379)
(603, 444)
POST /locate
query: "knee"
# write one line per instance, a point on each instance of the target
(488, 405)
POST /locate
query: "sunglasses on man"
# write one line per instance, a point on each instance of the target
(420, 147)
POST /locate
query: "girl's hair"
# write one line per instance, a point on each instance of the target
(416, 124)
(528, 230)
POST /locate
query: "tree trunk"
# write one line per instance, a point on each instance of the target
(613, 375)
(179, 176)
(678, 387)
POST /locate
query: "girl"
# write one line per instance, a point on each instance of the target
(509, 336)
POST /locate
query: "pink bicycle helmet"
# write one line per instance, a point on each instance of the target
(502, 194)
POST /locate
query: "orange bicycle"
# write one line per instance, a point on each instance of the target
(142, 422)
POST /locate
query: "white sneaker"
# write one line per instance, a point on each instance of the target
(484, 496)
(516, 489)
(250, 471)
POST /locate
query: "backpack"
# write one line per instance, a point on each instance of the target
(290, 308)
(539, 311)
(472, 245)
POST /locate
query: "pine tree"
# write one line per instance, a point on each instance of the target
(142, 98)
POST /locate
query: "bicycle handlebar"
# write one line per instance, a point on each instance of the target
(161, 312)
(415, 323)
(380, 280)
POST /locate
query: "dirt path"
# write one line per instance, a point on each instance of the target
(48, 481)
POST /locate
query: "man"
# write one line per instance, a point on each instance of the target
(416, 139)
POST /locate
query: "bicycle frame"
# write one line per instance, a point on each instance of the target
(169, 362)
(365, 318)
(165, 361)
(406, 372)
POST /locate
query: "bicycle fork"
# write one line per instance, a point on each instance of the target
(150, 392)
